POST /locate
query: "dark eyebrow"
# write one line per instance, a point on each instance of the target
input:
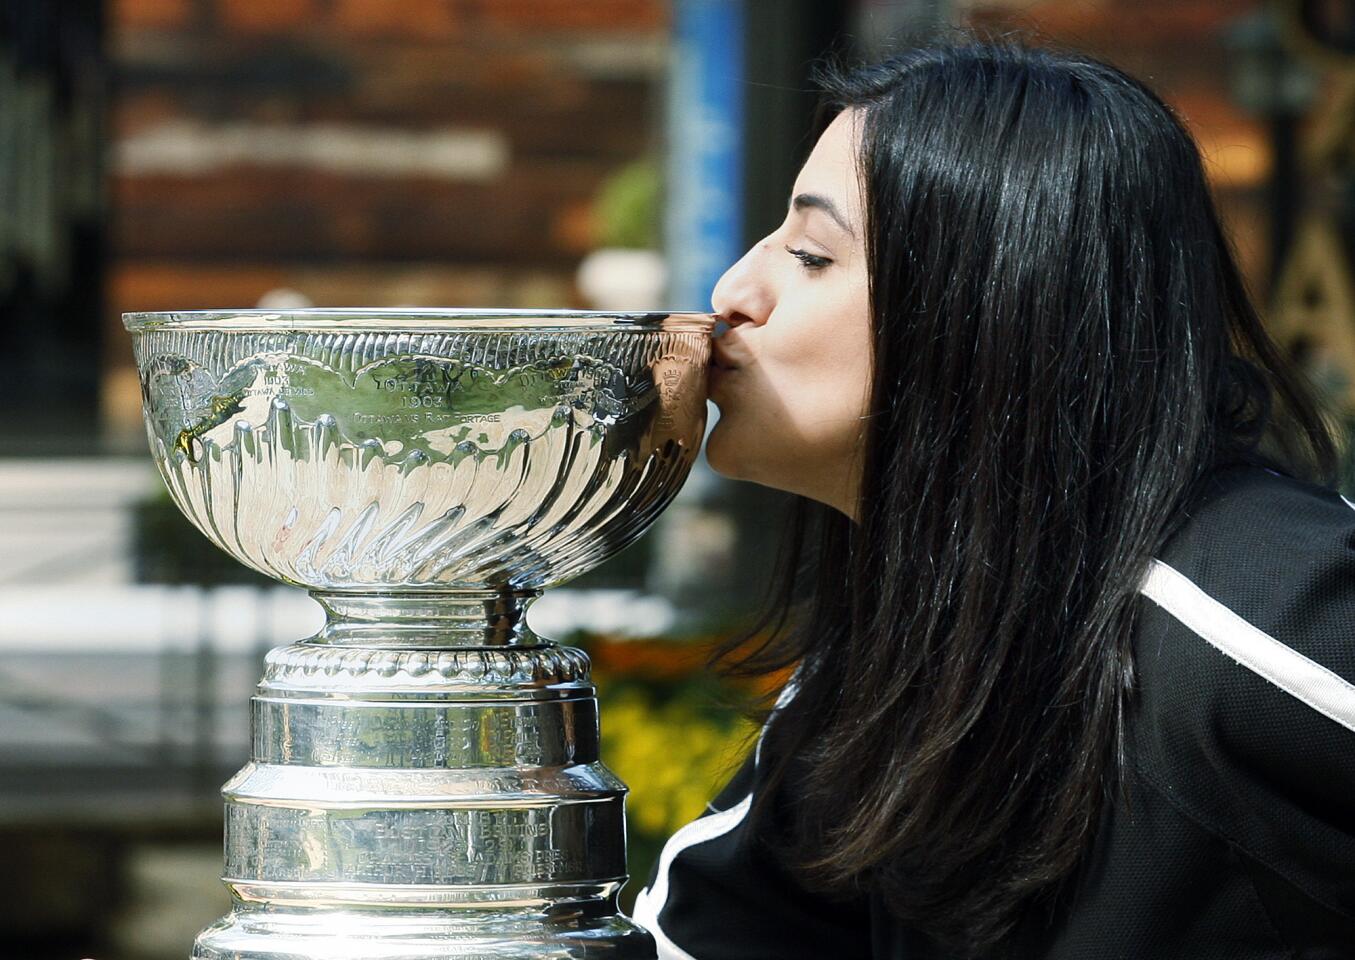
(806, 200)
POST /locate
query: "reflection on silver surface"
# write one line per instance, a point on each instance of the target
(425, 777)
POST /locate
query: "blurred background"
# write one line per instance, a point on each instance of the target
(618, 154)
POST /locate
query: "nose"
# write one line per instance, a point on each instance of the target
(743, 295)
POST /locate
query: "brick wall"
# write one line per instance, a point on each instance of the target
(420, 152)
(445, 152)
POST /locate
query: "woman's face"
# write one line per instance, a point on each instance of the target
(792, 374)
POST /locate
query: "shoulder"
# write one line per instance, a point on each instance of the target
(1263, 570)
(1245, 703)
(719, 891)
(1251, 535)
(1245, 504)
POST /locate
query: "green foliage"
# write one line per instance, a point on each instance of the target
(626, 209)
(169, 549)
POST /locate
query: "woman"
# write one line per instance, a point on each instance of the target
(1072, 653)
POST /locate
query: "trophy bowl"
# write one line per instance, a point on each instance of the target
(424, 778)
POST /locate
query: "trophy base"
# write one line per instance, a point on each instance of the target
(419, 802)
(587, 932)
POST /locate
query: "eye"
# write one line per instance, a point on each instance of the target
(810, 261)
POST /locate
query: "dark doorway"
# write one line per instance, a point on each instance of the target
(52, 95)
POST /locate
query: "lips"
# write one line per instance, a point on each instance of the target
(727, 354)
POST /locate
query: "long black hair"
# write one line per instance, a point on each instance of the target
(1063, 350)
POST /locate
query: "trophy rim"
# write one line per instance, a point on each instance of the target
(422, 319)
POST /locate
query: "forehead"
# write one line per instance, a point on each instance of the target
(831, 169)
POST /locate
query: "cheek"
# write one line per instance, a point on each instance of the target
(826, 404)
(805, 397)
(805, 405)
(823, 374)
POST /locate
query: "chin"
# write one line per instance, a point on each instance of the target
(722, 452)
(735, 456)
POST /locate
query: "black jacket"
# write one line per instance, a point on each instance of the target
(1238, 842)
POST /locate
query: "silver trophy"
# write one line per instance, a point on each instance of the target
(424, 778)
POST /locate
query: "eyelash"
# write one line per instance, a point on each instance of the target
(810, 261)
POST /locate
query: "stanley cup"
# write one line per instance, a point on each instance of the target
(424, 777)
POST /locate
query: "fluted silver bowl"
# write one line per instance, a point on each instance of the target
(417, 450)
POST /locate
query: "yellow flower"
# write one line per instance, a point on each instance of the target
(674, 757)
